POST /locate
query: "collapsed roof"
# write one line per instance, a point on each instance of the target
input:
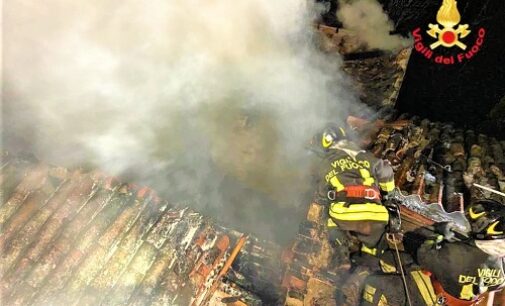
(84, 238)
(376, 76)
(73, 237)
(77, 237)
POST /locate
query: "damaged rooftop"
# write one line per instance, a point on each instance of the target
(157, 154)
(70, 237)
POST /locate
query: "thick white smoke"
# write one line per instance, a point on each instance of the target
(371, 24)
(207, 101)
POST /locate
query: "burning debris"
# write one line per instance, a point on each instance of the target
(80, 237)
(83, 238)
(74, 237)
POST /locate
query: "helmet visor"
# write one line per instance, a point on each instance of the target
(492, 247)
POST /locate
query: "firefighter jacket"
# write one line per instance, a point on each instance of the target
(463, 270)
(347, 165)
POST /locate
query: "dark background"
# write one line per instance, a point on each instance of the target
(468, 93)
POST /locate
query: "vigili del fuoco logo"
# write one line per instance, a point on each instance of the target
(448, 34)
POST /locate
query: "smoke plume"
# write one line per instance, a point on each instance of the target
(209, 102)
(371, 24)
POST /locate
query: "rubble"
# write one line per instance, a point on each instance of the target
(376, 76)
(378, 79)
(434, 162)
(437, 161)
(82, 238)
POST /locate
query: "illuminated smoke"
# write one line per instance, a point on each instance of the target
(371, 24)
(209, 102)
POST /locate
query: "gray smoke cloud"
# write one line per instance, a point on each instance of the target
(209, 102)
(371, 24)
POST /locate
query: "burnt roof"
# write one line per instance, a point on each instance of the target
(83, 237)
(376, 76)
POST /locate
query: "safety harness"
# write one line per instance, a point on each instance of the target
(361, 203)
(434, 293)
(446, 297)
(356, 194)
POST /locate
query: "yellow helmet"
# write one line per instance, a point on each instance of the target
(331, 135)
(487, 218)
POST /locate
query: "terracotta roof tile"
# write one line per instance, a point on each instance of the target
(84, 238)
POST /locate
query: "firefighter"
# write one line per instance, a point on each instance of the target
(353, 183)
(353, 186)
(450, 272)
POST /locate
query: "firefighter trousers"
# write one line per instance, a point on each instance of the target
(389, 290)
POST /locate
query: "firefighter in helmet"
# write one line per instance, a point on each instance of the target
(450, 271)
(464, 270)
(353, 185)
